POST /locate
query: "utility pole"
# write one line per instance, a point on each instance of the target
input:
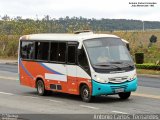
(143, 25)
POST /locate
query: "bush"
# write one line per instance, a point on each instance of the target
(148, 66)
(12, 48)
(139, 58)
(153, 39)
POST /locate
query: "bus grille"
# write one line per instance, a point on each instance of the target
(118, 79)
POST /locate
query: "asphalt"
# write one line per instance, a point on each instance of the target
(9, 67)
(25, 100)
(16, 99)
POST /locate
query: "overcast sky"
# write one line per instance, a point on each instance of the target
(113, 9)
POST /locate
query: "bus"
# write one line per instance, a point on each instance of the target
(85, 64)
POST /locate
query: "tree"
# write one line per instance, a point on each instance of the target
(6, 18)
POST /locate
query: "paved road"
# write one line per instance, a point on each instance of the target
(8, 68)
(19, 99)
(149, 82)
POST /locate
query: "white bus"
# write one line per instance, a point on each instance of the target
(85, 64)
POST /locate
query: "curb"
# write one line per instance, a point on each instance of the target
(9, 78)
(148, 75)
(11, 63)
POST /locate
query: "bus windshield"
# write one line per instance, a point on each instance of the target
(106, 51)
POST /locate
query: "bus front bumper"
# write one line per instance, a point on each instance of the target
(110, 88)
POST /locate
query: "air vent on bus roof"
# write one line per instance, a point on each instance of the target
(83, 31)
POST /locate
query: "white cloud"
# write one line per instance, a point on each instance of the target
(114, 9)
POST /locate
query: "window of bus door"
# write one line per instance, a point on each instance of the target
(83, 61)
(72, 54)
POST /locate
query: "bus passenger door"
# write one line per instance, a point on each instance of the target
(72, 68)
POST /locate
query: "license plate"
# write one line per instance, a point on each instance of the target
(119, 90)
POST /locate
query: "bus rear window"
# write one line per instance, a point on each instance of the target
(27, 50)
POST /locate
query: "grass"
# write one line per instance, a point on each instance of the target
(151, 72)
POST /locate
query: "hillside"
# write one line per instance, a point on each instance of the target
(19, 26)
(131, 30)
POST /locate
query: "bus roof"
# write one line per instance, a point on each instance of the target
(65, 37)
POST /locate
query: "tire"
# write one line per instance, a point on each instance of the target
(124, 95)
(85, 94)
(41, 88)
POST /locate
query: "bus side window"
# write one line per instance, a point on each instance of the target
(27, 50)
(41, 50)
(54, 51)
(62, 52)
(82, 60)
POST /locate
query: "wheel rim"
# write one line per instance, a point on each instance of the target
(40, 87)
(85, 93)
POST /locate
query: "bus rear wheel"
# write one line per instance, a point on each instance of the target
(124, 95)
(41, 88)
(85, 93)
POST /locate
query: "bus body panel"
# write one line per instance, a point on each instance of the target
(110, 88)
(68, 76)
(126, 80)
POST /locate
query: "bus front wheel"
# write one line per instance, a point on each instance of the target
(85, 93)
(124, 95)
(41, 88)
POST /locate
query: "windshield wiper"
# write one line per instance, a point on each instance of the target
(107, 65)
(123, 63)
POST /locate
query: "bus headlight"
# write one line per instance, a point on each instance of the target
(133, 77)
(101, 80)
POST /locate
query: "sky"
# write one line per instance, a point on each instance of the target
(112, 9)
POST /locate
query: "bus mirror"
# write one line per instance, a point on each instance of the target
(127, 45)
